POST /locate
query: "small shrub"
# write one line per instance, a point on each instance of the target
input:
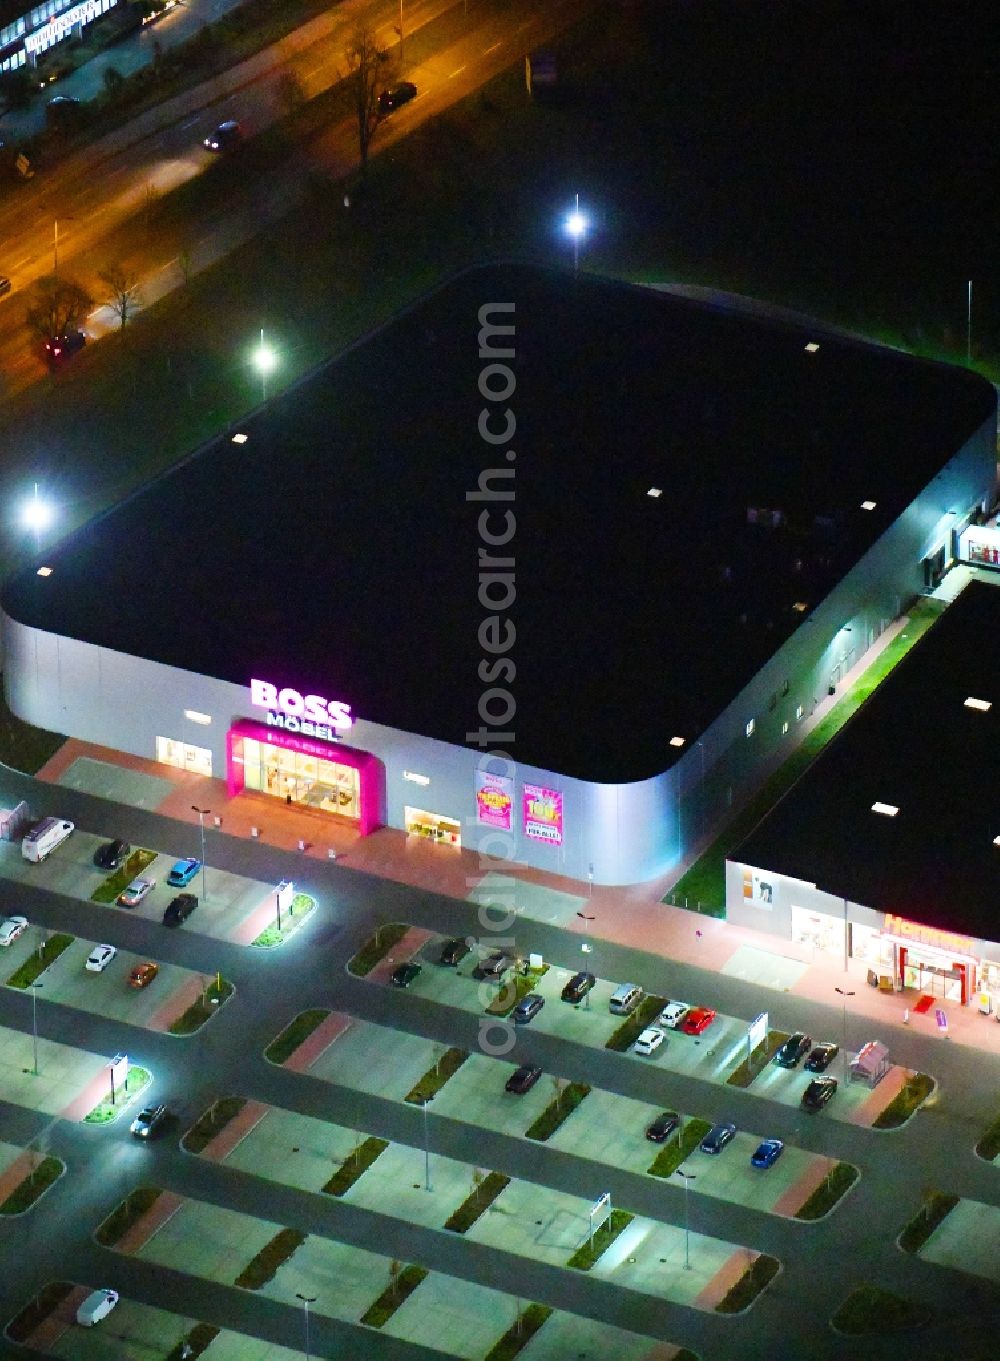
(752, 1283)
(285, 1045)
(272, 1255)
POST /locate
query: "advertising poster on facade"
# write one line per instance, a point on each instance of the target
(495, 801)
(542, 814)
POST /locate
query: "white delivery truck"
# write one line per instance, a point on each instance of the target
(43, 839)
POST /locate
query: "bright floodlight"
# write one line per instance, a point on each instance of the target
(576, 224)
(265, 359)
(37, 514)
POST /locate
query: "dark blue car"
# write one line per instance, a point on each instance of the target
(767, 1153)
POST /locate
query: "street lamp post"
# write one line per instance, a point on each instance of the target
(689, 1177)
(576, 225)
(427, 1148)
(844, 994)
(202, 815)
(34, 1026)
(266, 361)
(306, 1301)
(586, 949)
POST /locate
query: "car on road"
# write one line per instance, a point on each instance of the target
(143, 974)
(59, 348)
(11, 928)
(672, 1015)
(822, 1056)
(697, 1020)
(818, 1093)
(99, 958)
(578, 986)
(523, 1079)
(717, 1138)
(97, 1305)
(226, 137)
(148, 1121)
(404, 974)
(528, 1007)
(660, 1129)
(183, 872)
(112, 855)
(649, 1041)
(793, 1050)
(453, 951)
(767, 1153)
(179, 909)
(138, 889)
(395, 96)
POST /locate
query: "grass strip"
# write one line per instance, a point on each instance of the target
(752, 1283)
(376, 949)
(210, 1122)
(558, 1110)
(478, 1203)
(108, 892)
(511, 992)
(36, 1311)
(673, 1154)
(107, 1110)
(871, 1310)
(626, 1035)
(284, 1244)
(837, 1182)
(129, 1212)
(519, 1334)
(203, 1009)
(198, 1340)
(284, 1045)
(398, 1290)
(23, 747)
(585, 1257)
(301, 905)
(913, 1093)
(355, 1165)
(39, 1179)
(25, 974)
(989, 1145)
(936, 1207)
(435, 1078)
(759, 1059)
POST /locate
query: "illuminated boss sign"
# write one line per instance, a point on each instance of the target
(309, 714)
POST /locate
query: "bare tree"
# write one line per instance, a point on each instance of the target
(363, 60)
(123, 291)
(395, 1271)
(58, 305)
(559, 1085)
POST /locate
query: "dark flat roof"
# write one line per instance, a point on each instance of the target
(914, 745)
(335, 551)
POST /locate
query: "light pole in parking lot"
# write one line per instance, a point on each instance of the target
(202, 815)
(689, 1177)
(427, 1149)
(576, 227)
(844, 994)
(265, 360)
(34, 1026)
(586, 949)
(306, 1301)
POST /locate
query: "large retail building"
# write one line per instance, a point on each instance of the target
(622, 540)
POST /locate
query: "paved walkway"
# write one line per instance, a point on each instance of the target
(16, 1172)
(303, 1058)
(217, 1150)
(792, 1200)
(177, 1003)
(733, 1271)
(137, 1235)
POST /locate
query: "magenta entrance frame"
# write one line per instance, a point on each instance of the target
(369, 767)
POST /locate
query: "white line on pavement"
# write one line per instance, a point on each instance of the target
(457, 72)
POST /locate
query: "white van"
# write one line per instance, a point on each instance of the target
(43, 839)
(97, 1305)
(624, 1000)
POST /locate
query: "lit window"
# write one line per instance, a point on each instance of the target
(197, 717)
(414, 778)
(45, 571)
(751, 726)
(983, 705)
(996, 841)
(677, 741)
(812, 347)
(888, 810)
(799, 711)
(240, 439)
(655, 493)
(800, 607)
(784, 727)
(868, 505)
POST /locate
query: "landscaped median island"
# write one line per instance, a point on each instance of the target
(567, 1098)
(404, 1280)
(585, 1257)
(129, 1212)
(745, 1074)
(837, 1182)
(36, 1311)
(211, 999)
(519, 1334)
(936, 1208)
(376, 949)
(111, 1107)
(212, 1122)
(298, 910)
(645, 1013)
(37, 962)
(871, 1310)
(435, 1078)
(511, 992)
(294, 1034)
(198, 1340)
(263, 1267)
(355, 1165)
(488, 1187)
(38, 1180)
(673, 1154)
(914, 1092)
(754, 1281)
(108, 892)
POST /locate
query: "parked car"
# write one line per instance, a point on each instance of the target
(717, 1138)
(697, 1020)
(795, 1048)
(112, 855)
(404, 974)
(452, 951)
(767, 1153)
(179, 909)
(226, 137)
(400, 93)
(528, 1007)
(143, 974)
(4, 285)
(100, 957)
(649, 1041)
(818, 1093)
(660, 1130)
(523, 1079)
(822, 1056)
(60, 347)
(138, 889)
(183, 872)
(578, 986)
(97, 1305)
(672, 1014)
(148, 1121)
(11, 928)
(494, 966)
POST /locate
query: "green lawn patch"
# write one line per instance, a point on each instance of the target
(558, 1110)
(759, 1059)
(107, 1110)
(400, 1288)
(684, 1143)
(23, 747)
(989, 1145)
(129, 1212)
(871, 1310)
(39, 1179)
(837, 1182)
(204, 1009)
(519, 1334)
(198, 1340)
(46, 1302)
(355, 1165)
(435, 1078)
(914, 1092)
(511, 992)
(752, 1283)
(285, 1044)
(210, 1122)
(39, 961)
(936, 1207)
(626, 1035)
(291, 919)
(584, 1258)
(139, 860)
(272, 1255)
(478, 1203)
(376, 949)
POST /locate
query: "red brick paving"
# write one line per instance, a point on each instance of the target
(62, 1318)
(217, 1150)
(12, 1176)
(731, 1271)
(178, 1002)
(404, 949)
(813, 1176)
(303, 1058)
(138, 1234)
(96, 1090)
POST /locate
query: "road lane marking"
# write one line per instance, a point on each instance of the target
(458, 72)
(488, 50)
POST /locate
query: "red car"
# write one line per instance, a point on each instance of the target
(697, 1020)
